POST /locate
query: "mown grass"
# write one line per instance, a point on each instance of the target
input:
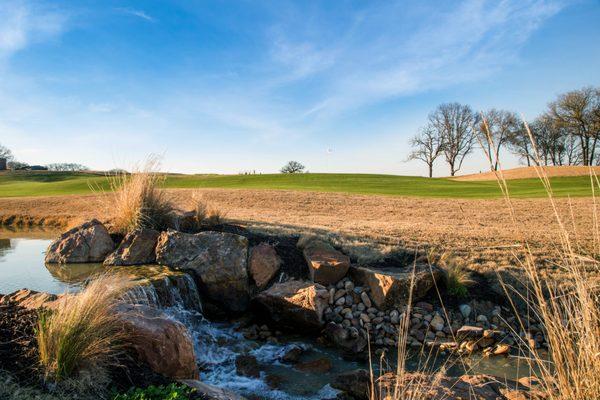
(65, 183)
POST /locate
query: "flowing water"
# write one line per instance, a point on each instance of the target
(217, 344)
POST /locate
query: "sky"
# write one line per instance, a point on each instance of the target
(233, 86)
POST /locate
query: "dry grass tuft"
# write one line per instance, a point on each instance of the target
(206, 214)
(83, 335)
(457, 276)
(136, 200)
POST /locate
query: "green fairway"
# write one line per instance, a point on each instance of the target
(63, 183)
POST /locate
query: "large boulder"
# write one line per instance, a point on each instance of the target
(159, 341)
(326, 265)
(217, 260)
(391, 287)
(295, 304)
(356, 383)
(137, 248)
(86, 243)
(263, 264)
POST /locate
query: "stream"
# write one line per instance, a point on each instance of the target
(218, 344)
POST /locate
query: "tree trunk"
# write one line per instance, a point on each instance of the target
(584, 150)
(431, 170)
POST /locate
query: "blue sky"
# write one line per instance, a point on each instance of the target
(219, 86)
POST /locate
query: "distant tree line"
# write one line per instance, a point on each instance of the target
(13, 164)
(71, 167)
(566, 133)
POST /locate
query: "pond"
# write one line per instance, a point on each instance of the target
(218, 344)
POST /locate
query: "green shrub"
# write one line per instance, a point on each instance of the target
(168, 392)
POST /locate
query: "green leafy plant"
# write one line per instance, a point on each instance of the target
(164, 392)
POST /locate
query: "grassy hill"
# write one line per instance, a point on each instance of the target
(65, 183)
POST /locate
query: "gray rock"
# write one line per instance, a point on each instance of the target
(482, 318)
(465, 310)
(217, 260)
(437, 322)
(365, 299)
(137, 248)
(349, 286)
(86, 243)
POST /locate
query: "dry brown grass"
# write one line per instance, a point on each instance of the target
(80, 338)
(206, 214)
(476, 231)
(135, 200)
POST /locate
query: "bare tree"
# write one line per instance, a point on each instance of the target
(519, 143)
(502, 126)
(292, 167)
(578, 111)
(17, 165)
(5, 153)
(427, 146)
(572, 152)
(454, 122)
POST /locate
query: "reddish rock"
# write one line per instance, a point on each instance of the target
(469, 332)
(295, 304)
(391, 286)
(30, 299)
(326, 265)
(263, 264)
(163, 343)
(319, 365)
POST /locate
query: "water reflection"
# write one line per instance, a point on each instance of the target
(4, 247)
(73, 273)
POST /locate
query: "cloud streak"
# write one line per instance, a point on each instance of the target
(136, 13)
(448, 47)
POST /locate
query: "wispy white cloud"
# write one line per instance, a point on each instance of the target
(467, 42)
(25, 22)
(136, 13)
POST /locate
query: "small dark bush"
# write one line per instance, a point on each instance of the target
(169, 392)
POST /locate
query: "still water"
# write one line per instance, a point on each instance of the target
(22, 265)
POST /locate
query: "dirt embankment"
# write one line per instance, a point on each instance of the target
(530, 172)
